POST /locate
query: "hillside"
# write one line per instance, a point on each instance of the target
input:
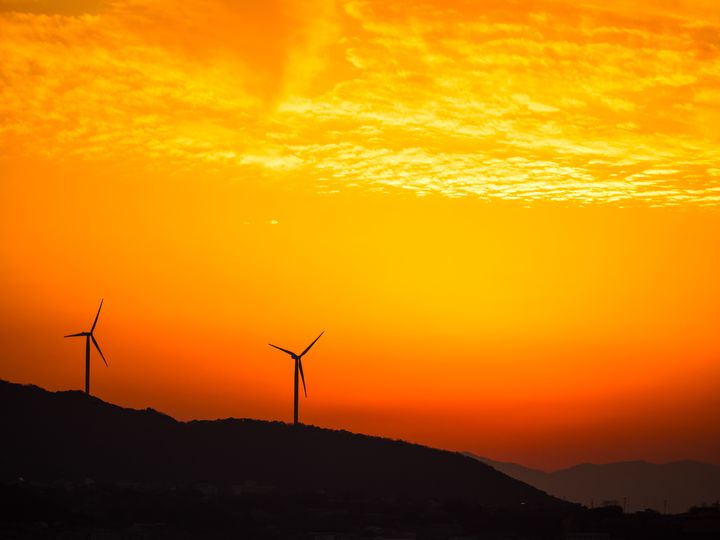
(58, 436)
(682, 484)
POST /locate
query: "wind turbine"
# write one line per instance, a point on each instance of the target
(298, 368)
(88, 337)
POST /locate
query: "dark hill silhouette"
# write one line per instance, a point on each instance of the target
(58, 436)
(682, 484)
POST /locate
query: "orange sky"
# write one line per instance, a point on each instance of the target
(505, 215)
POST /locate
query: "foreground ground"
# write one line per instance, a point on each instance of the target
(90, 510)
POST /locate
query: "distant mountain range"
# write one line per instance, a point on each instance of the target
(70, 436)
(639, 484)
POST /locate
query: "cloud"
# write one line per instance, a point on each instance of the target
(571, 102)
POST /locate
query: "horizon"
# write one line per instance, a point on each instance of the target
(290, 423)
(504, 217)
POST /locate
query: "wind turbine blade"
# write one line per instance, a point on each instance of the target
(98, 348)
(283, 350)
(302, 376)
(75, 335)
(313, 343)
(96, 316)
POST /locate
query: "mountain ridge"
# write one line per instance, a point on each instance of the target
(675, 486)
(53, 436)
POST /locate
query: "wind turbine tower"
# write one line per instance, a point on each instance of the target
(298, 369)
(89, 336)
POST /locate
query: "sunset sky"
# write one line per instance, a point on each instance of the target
(504, 214)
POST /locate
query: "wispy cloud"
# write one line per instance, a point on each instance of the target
(589, 102)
